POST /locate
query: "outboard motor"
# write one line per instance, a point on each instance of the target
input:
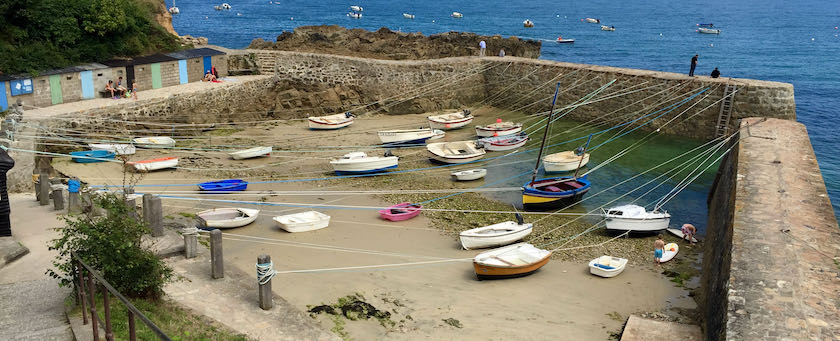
(479, 144)
(467, 113)
(6, 163)
(519, 219)
(349, 114)
(388, 153)
(579, 151)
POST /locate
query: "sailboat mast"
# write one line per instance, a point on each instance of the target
(545, 136)
(583, 155)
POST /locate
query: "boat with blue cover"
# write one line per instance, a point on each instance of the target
(229, 185)
(90, 156)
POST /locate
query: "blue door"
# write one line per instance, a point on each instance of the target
(182, 71)
(87, 84)
(3, 103)
(207, 64)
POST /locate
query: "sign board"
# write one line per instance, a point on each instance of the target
(21, 87)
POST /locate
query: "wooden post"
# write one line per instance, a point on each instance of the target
(58, 199)
(37, 185)
(132, 334)
(132, 207)
(74, 205)
(266, 297)
(44, 189)
(92, 301)
(216, 258)
(190, 245)
(80, 289)
(155, 214)
(106, 302)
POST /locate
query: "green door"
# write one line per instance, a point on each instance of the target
(55, 89)
(156, 83)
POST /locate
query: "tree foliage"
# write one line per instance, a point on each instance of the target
(111, 245)
(37, 35)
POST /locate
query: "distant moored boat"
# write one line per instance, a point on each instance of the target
(708, 30)
(457, 15)
(408, 16)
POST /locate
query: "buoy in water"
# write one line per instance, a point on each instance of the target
(712, 45)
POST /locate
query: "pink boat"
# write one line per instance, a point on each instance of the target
(400, 212)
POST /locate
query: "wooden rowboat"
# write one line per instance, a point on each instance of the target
(498, 129)
(451, 120)
(155, 142)
(564, 161)
(469, 175)
(154, 164)
(250, 153)
(227, 217)
(502, 143)
(302, 222)
(516, 260)
(455, 152)
(400, 212)
(331, 122)
(495, 235)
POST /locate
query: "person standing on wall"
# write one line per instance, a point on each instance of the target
(501, 52)
(134, 89)
(693, 65)
(482, 47)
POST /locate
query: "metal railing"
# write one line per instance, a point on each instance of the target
(93, 280)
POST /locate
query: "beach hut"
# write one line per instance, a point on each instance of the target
(55, 86)
(194, 63)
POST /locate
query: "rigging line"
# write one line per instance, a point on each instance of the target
(252, 239)
(320, 193)
(684, 184)
(489, 184)
(592, 245)
(537, 125)
(603, 97)
(367, 267)
(672, 89)
(569, 239)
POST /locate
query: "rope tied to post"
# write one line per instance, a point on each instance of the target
(189, 231)
(265, 272)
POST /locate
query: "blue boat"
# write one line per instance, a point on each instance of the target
(554, 193)
(229, 185)
(90, 156)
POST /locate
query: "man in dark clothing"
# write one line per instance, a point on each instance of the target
(715, 73)
(693, 64)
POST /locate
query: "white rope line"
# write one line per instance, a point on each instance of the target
(375, 266)
(265, 272)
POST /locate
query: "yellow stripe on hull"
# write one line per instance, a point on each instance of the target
(529, 199)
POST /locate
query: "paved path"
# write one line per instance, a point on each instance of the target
(643, 329)
(31, 303)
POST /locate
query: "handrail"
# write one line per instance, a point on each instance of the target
(132, 310)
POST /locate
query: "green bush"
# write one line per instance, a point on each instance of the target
(111, 245)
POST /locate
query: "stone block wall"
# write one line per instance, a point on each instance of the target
(221, 64)
(71, 87)
(169, 75)
(195, 69)
(143, 76)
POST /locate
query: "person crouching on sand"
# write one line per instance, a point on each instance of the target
(658, 249)
(689, 231)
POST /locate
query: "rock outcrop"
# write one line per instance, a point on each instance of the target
(387, 44)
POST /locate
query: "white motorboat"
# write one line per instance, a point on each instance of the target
(593, 20)
(528, 23)
(331, 121)
(561, 40)
(355, 15)
(408, 136)
(155, 142)
(455, 152)
(635, 218)
(355, 8)
(607, 266)
(671, 250)
(469, 175)
(564, 161)
(451, 120)
(302, 222)
(224, 6)
(498, 129)
(708, 30)
(607, 28)
(250, 153)
(408, 16)
(501, 143)
(495, 235)
(515, 260)
(457, 15)
(174, 10)
(361, 163)
(154, 164)
(228, 217)
(116, 148)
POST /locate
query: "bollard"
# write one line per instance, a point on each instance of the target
(155, 219)
(266, 297)
(74, 204)
(44, 189)
(58, 199)
(131, 203)
(216, 259)
(190, 245)
(146, 206)
(37, 184)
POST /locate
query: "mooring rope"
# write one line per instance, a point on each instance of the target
(265, 272)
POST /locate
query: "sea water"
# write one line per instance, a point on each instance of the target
(787, 41)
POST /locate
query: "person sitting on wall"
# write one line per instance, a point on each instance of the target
(208, 77)
(715, 73)
(110, 87)
(214, 72)
(120, 87)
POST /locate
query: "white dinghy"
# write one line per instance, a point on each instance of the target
(607, 266)
(469, 175)
(331, 122)
(498, 129)
(302, 222)
(361, 163)
(635, 218)
(154, 164)
(607, 28)
(452, 120)
(456, 15)
(228, 217)
(409, 136)
(250, 153)
(496, 235)
(155, 142)
(564, 161)
(455, 152)
(408, 16)
(116, 148)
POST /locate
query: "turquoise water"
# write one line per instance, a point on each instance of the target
(787, 41)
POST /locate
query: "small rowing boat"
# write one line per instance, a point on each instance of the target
(495, 235)
(361, 163)
(469, 175)
(607, 266)
(228, 217)
(708, 30)
(400, 212)
(229, 185)
(592, 20)
(250, 153)
(331, 122)
(501, 143)
(303, 221)
(455, 152)
(116, 148)
(498, 129)
(564, 161)
(155, 142)
(457, 15)
(408, 136)
(451, 120)
(607, 28)
(154, 164)
(91, 156)
(516, 260)
(635, 218)
(553, 193)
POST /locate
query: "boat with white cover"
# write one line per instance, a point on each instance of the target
(455, 152)
(409, 136)
(250, 153)
(355, 15)
(593, 20)
(708, 30)
(154, 164)
(356, 8)
(330, 122)
(528, 23)
(635, 218)
(451, 120)
(469, 175)
(607, 266)
(155, 142)
(408, 16)
(227, 217)
(607, 28)
(564, 161)
(515, 260)
(116, 148)
(498, 129)
(457, 15)
(502, 143)
(495, 235)
(302, 222)
(361, 163)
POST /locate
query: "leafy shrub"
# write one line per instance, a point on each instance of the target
(111, 245)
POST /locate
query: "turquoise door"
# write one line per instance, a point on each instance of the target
(157, 83)
(182, 71)
(55, 89)
(4, 104)
(87, 84)
(208, 63)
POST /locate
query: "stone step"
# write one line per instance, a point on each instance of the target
(34, 310)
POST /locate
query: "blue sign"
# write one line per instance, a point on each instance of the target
(21, 87)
